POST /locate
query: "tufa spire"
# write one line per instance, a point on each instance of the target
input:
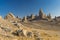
(24, 19)
(55, 18)
(32, 16)
(41, 14)
(49, 16)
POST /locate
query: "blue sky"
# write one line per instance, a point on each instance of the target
(23, 8)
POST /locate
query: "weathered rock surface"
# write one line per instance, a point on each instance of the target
(10, 17)
(42, 15)
(12, 28)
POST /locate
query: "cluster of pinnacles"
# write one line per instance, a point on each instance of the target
(39, 17)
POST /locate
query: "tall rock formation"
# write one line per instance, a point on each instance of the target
(41, 14)
(55, 18)
(32, 16)
(49, 17)
(24, 19)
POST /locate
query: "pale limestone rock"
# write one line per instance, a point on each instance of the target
(49, 17)
(25, 19)
(32, 16)
(10, 16)
(41, 14)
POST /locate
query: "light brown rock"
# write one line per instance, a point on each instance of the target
(32, 16)
(41, 14)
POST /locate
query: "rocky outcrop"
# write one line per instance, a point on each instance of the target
(24, 19)
(41, 14)
(57, 18)
(10, 17)
(49, 17)
(32, 16)
(12, 28)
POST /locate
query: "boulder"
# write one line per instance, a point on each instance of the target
(49, 16)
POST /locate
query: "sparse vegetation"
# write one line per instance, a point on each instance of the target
(29, 29)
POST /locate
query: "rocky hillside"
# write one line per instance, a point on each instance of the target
(40, 27)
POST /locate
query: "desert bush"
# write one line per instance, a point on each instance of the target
(16, 25)
(29, 34)
(18, 33)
